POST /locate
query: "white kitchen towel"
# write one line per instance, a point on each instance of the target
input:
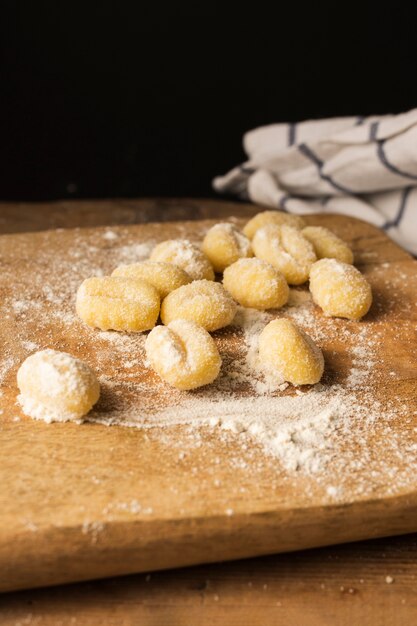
(364, 167)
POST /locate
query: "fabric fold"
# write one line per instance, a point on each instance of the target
(363, 167)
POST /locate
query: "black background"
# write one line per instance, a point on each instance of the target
(123, 99)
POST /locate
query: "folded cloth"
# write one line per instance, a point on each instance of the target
(364, 167)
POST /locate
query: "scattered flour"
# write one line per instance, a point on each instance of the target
(362, 363)
(333, 491)
(93, 529)
(328, 431)
(31, 346)
(6, 364)
(135, 252)
(133, 506)
(110, 235)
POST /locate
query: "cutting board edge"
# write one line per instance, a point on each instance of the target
(308, 217)
(401, 528)
(115, 555)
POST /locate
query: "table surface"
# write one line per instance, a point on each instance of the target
(372, 582)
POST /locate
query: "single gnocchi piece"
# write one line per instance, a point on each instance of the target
(328, 245)
(289, 352)
(287, 250)
(118, 303)
(186, 255)
(204, 302)
(256, 284)
(183, 354)
(340, 289)
(272, 217)
(165, 277)
(224, 244)
(56, 387)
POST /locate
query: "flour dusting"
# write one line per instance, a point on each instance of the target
(343, 432)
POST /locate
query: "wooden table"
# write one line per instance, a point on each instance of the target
(372, 582)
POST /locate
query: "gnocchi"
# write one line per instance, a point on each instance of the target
(118, 303)
(55, 386)
(287, 250)
(256, 284)
(289, 352)
(327, 245)
(340, 289)
(183, 354)
(224, 244)
(271, 217)
(186, 255)
(203, 301)
(165, 277)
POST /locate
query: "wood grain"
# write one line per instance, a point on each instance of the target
(338, 586)
(101, 557)
(29, 217)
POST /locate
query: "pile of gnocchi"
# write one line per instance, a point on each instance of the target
(178, 286)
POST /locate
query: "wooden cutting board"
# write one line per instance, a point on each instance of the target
(85, 501)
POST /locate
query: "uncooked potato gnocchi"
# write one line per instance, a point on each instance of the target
(224, 244)
(287, 250)
(186, 255)
(118, 303)
(165, 277)
(340, 289)
(183, 354)
(289, 352)
(327, 245)
(204, 302)
(271, 217)
(256, 284)
(56, 387)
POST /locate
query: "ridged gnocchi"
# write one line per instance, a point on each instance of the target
(183, 354)
(327, 245)
(340, 289)
(289, 352)
(224, 244)
(256, 284)
(186, 255)
(271, 217)
(287, 250)
(165, 277)
(118, 303)
(204, 302)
